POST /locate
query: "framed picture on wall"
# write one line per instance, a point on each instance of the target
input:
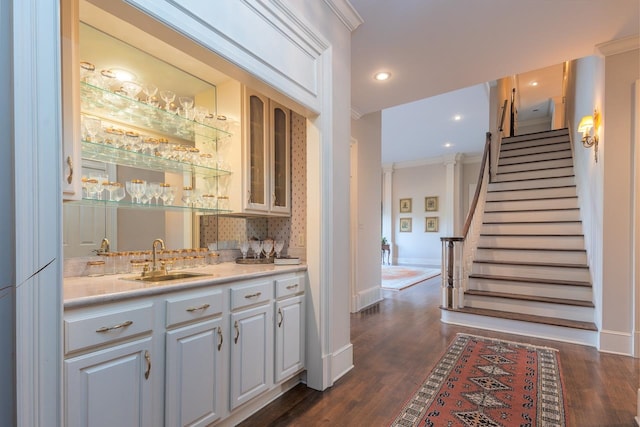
(405, 225)
(431, 224)
(405, 205)
(431, 204)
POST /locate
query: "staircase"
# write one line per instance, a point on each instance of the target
(531, 264)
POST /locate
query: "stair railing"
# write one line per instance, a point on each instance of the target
(458, 252)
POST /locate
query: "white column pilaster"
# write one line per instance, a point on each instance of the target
(453, 202)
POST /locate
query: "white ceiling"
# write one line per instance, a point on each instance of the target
(433, 47)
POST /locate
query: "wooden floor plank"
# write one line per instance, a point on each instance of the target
(397, 343)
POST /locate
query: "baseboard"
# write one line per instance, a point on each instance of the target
(364, 299)
(616, 342)
(425, 262)
(341, 362)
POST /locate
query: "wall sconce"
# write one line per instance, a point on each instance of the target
(587, 124)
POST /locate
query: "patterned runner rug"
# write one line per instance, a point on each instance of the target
(398, 277)
(486, 382)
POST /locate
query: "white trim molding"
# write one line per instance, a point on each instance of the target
(346, 12)
(614, 47)
(616, 342)
(367, 298)
(341, 362)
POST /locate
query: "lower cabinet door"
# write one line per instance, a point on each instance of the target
(193, 383)
(110, 387)
(251, 353)
(289, 339)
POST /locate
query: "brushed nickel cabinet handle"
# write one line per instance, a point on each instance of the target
(249, 296)
(235, 325)
(221, 339)
(292, 286)
(70, 163)
(281, 317)
(202, 307)
(114, 327)
(147, 357)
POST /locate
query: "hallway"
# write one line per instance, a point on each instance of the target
(398, 341)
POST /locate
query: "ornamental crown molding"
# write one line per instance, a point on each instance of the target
(619, 46)
(346, 12)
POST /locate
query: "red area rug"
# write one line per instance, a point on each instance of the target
(486, 382)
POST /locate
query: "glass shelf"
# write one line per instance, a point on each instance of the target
(149, 207)
(110, 154)
(113, 106)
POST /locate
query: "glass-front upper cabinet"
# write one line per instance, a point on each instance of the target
(268, 148)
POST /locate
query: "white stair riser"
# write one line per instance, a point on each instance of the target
(581, 293)
(583, 314)
(520, 205)
(563, 171)
(547, 138)
(533, 272)
(533, 183)
(557, 257)
(511, 152)
(546, 228)
(536, 242)
(532, 216)
(553, 155)
(544, 193)
(536, 166)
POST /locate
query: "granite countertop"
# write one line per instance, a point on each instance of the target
(85, 291)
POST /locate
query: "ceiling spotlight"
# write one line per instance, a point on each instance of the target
(123, 75)
(533, 83)
(457, 117)
(382, 76)
(447, 145)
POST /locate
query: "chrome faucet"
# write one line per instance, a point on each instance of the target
(154, 247)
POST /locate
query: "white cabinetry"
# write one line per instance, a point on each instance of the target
(264, 155)
(289, 327)
(252, 347)
(112, 383)
(194, 360)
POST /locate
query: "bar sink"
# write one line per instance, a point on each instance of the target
(165, 277)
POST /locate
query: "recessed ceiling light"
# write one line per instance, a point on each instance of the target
(533, 83)
(447, 145)
(382, 76)
(457, 117)
(123, 75)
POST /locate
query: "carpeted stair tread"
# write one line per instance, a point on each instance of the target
(530, 280)
(531, 264)
(536, 298)
(575, 324)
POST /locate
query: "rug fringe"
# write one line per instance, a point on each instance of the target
(542, 347)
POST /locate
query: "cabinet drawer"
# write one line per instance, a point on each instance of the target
(242, 296)
(193, 307)
(94, 329)
(289, 286)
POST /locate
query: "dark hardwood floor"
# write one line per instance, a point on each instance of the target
(398, 341)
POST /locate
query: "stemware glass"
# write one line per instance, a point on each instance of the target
(167, 96)
(277, 246)
(110, 187)
(136, 189)
(118, 192)
(150, 90)
(186, 196)
(244, 248)
(165, 192)
(131, 89)
(267, 247)
(92, 126)
(154, 191)
(187, 105)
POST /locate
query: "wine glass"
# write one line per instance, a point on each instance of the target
(267, 247)
(167, 96)
(110, 187)
(150, 90)
(93, 126)
(244, 248)
(186, 196)
(136, 188)
(165, 192)
(154, 191)
(187, 105)
(131, 89)
(118, 192)
(277, 246)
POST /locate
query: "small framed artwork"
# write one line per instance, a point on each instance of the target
(405, 205)
(405, 225)
(431, 204)
(431, 224)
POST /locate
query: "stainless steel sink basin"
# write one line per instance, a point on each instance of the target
(165, 277)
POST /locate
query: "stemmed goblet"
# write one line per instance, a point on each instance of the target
(154, 191)
(244, 248)
(267, 247)
(93, 126)
(150, 90)
(167, 96)
(136, 189)
(277, 246)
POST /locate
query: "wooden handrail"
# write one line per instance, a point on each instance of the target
(504, 113)
(476, 196)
